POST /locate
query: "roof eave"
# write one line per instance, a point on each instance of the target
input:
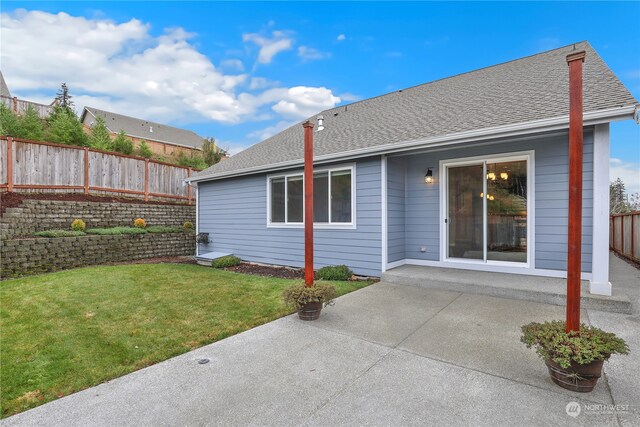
(538, 126)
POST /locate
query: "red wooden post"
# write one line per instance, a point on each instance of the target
(308, 203)
(9, 164)
(86, 170)
(189, 189)
(574, 255)
(146, 180)
(621, 233)
(633, 253)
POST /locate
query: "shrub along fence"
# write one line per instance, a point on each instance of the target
(48, 167)
(624, 235)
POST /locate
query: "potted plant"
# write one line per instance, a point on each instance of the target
(574, 359)
(309, 300)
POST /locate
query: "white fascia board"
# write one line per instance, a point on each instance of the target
(561, 122)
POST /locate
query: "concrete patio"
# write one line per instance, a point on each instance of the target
(385, 355)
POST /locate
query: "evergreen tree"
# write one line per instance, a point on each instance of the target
(122, 144)
(144, 150)
(31, 125)
(100, 137)
(65, 128)
(618, 202)
(64, 98)
(9, 122)
(210, 151)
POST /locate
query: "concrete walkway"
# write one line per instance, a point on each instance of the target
(385, 355)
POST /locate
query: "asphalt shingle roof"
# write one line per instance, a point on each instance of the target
(147, 130)
(523, 90)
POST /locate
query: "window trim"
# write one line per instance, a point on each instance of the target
(317, 225)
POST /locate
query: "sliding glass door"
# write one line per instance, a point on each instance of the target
(486, 210)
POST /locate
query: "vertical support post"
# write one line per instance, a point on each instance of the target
(633, 228)
(308, 203)
(9, 164)
(574, 250)
(189, 189)
(146, 180)
(15, 104)
(599, 284)
(86, 170)
(621, 233)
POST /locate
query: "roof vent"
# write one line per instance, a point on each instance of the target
(151, 129)
(320, 123)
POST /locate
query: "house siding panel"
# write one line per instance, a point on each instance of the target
(422, 203)
(396, 209)
(234, 213)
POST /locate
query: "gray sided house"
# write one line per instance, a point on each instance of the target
(467, 172)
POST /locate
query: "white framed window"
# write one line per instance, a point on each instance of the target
(333, 198)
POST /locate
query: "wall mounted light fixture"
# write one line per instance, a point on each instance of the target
(428, 178)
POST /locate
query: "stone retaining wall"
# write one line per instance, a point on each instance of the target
(20, 257)
(39, 215)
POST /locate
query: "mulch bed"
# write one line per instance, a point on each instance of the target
(14, 200)
(269, 271)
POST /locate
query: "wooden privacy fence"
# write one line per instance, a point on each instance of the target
(624, 235)
(20, 106)
(47, 167)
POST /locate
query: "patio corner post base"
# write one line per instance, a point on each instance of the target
(600, 288)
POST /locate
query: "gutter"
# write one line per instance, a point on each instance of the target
(544, 125)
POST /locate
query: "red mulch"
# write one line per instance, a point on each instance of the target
(13, 199)
(269, 271)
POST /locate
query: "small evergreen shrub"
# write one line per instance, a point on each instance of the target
(299, 294)
(188, 226)
(334, 272)
(59, 233)
(139, 223)
(551, 341)
(163, 229)
(226, 261)
(78, 225)
(144, 150)
(116, 230)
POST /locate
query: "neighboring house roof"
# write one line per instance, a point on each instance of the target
(4, 89)
(528, 91)
(144, 129)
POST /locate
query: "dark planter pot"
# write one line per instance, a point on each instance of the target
(580, 378)
(310, 311)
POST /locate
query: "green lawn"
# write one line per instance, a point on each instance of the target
(66, 331)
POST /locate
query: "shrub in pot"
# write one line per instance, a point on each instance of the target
(308, 301)
(574, 359)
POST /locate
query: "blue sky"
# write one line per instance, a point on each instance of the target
(270, 64)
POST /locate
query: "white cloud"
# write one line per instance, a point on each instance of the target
(349, 97)
(311, 54)
(269, 131)
(232, 64)
(628, 172)
(121, 67)
(269, 47)
(260, 83)
(341, 37)
(303, 101)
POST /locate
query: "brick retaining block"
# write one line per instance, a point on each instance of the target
(39, 215)
(22, 257)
